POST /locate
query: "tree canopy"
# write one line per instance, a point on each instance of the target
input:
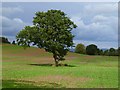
(91, 49)
(80, 48)
(51, 30)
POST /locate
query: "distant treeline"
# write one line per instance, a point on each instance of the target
(80, 48)
(94, 50)
(5, 40)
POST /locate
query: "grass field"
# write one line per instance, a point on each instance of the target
(32, 68)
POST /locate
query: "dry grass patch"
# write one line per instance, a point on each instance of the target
(66, 81)
(29, 84)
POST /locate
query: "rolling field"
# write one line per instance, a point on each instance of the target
(32, 68)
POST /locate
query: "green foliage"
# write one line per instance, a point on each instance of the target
(112, 52)
(51, 30)
(13, 42)
(106, 52)
(91, 49)
(100, 52)
(80, 48)
(119, 51)
(94, 50)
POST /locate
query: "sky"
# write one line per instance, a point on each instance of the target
(97, 22)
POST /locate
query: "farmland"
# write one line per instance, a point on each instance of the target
(33, 68)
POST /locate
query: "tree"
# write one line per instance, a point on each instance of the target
(4, 40)
(118, 51)
(91, 49)
(99, 51)
(13, 42)
(112, 52)
(106, 52)
(51, 30)
(80, 48)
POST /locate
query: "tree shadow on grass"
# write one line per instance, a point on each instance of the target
(60, 65)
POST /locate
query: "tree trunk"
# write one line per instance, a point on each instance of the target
(56, 61)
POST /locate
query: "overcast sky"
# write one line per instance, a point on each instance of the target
(97, 22)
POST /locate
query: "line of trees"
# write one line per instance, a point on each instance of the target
(5, 40)
(94, 50)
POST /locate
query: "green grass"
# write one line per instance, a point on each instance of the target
(28, 84)
(32, 66)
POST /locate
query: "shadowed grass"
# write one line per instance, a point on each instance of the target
(52, 65)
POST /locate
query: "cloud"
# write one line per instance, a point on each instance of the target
(97, 22)
(101, 8)
(111, 21)
(10, 27)
(99, 18)
(10, 22)
(90, 10)
(100, 28)
(7, 11)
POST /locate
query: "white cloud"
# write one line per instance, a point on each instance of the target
(10, 27)
(7, 11)
(101, 8)
(18, 20)
(100, 28)
(99, 18)
(110, 21)
(10, 24)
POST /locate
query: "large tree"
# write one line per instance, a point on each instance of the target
(112, 52)
(51, 30)
(91, 49)
(80, 48)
